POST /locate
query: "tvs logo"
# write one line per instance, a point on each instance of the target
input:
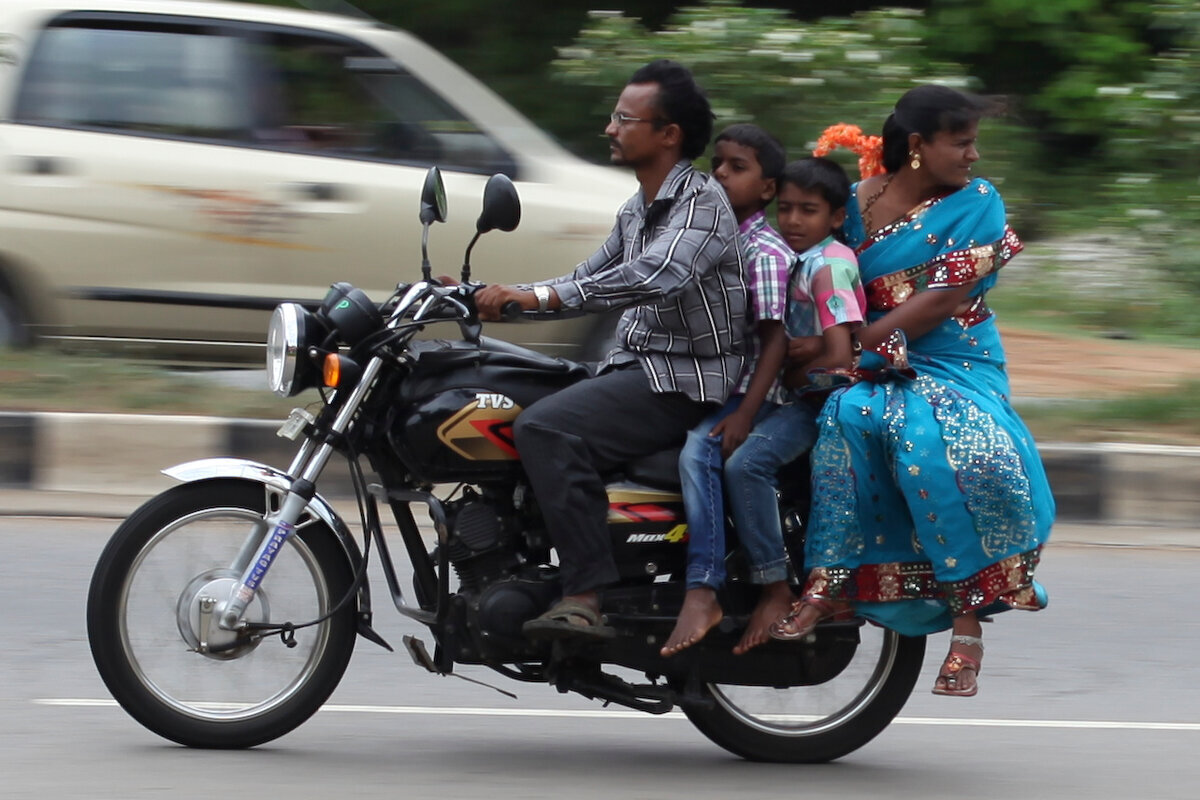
(482, 430)
(490, 400)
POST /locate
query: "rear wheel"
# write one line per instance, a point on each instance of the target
(805, 724)
(152, 623)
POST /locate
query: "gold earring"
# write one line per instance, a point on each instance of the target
(916, 159)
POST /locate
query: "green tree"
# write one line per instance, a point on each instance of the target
(1053, 55)
(1157, 117)
(761, 65)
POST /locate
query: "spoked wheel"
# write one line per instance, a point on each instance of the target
(805, 724)
(152, 619)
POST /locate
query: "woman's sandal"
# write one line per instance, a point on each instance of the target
(954, 664)
(785, 629)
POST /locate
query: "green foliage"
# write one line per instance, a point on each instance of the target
(1158, 116)
(1055, 56)
(760, 65)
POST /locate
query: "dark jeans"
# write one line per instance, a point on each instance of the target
(568, 439)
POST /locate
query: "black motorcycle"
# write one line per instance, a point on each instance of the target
(223, 612)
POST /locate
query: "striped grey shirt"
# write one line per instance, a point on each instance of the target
(676, 267)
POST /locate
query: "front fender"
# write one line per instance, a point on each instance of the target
(244, 469)
(207, 468)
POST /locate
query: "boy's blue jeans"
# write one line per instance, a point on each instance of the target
(780, 435)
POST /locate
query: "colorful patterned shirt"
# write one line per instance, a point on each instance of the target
(768, 260)
(825, 290)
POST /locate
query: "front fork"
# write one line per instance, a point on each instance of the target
(268, 537)
(281, 526)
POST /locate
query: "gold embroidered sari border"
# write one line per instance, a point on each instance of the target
(1009, 581)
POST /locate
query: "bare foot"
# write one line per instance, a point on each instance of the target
(699, 614)
(774, 602)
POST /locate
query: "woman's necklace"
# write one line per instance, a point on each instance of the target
(870, 201)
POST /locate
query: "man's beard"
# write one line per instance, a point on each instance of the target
(615, 155)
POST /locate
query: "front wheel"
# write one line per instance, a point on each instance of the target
(13, 331)
(156, 641)
(809, 724)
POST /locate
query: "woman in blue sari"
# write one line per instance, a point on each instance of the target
(930, 503)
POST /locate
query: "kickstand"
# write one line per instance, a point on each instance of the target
(420, 656)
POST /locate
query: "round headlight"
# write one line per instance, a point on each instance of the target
(288, 369)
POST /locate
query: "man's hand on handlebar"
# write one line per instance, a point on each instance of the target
(496, 301)
(490, 301)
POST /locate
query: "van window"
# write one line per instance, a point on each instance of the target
(342, 98)
(246, 84)
(149, 81)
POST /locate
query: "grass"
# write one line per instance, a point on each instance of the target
(44, 380)
(41, 379)
(1169, 418)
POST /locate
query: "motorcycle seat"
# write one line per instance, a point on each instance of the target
(658, 471)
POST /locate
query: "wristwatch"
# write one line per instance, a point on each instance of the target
(542, 293)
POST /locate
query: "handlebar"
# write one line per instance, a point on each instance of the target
(456, 301)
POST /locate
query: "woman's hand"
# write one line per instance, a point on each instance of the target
(733, 430)
(917, 315)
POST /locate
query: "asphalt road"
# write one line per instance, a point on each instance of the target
(1093, 698)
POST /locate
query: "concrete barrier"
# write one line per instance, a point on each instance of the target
(1121, 484)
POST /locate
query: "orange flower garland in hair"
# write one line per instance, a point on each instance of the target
(869, 149)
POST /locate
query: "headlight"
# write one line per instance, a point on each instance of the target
(289, 370)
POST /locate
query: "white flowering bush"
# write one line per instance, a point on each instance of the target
(760, 65)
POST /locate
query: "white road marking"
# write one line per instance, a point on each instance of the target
(622, 714)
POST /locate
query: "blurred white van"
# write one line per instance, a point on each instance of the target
(171, 170)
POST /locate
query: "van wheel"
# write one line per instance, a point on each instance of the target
(13, 332)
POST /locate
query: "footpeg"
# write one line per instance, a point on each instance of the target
(650, 698)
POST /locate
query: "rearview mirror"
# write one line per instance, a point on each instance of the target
(433, 198)
(501, 211)
(433, 209)
(501, 206)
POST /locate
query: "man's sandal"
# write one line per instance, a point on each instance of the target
(955, 663)
(786, 628)
(568, 618)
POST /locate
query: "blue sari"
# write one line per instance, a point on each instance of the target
(929, 497)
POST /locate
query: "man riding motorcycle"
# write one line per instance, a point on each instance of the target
(674, 263)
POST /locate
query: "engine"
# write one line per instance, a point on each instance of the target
(498, 588)
(478, 545)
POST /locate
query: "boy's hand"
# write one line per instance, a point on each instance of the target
(795, 377)
(803, 349)
(733, 430)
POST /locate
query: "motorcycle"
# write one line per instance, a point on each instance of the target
(224, 611)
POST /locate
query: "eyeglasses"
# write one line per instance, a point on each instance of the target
(619, 119)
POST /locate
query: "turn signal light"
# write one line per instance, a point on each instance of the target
(340, 371)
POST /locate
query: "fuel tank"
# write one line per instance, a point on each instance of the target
(452, 418)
